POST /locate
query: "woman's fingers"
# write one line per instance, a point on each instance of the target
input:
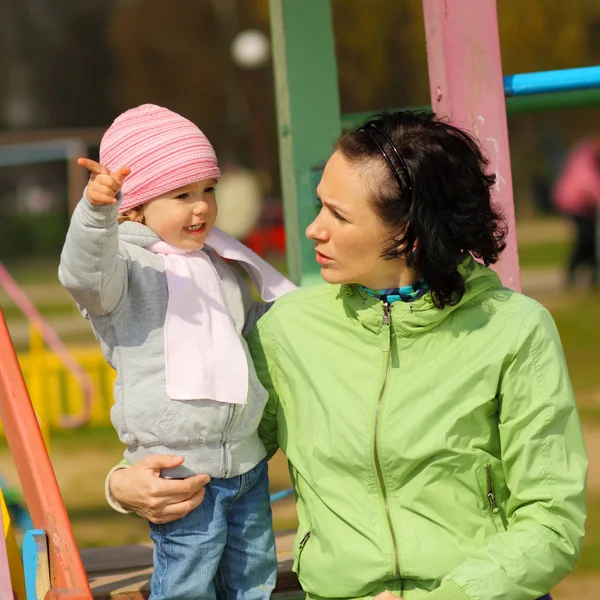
(141, 488)
(156, 462)
(173, 491)
(178, 510)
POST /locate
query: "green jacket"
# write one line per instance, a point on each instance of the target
(434, 453)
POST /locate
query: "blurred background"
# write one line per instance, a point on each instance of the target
(69, 68)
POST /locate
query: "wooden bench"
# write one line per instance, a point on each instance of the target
(123, 572)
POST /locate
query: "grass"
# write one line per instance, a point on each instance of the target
(546, 254)
(590, 555)
(49, 310)
(578, 322)
(38, 270)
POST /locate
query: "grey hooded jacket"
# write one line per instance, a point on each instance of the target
(122, 288)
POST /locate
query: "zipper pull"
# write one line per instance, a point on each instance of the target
(386, 329)
(304, 541)
(491, 495)
(386, 313)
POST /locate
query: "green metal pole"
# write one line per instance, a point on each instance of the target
(308, 117)
(556, 101)
(516, 105)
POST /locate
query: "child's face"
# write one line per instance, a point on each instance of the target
(183, 217)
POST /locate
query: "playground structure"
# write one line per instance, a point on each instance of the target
(466, 84)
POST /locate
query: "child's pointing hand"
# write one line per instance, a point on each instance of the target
(104, 185)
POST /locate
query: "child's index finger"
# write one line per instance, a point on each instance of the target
(92, 166)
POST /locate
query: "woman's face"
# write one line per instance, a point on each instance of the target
(348, 235)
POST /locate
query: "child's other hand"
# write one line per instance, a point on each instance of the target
(104, 185)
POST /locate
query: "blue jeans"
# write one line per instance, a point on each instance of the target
(223, 549)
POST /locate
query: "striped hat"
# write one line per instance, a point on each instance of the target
(164, 151)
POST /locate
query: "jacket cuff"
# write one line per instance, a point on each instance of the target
(112, 502)
(99, 216)
(449, 590)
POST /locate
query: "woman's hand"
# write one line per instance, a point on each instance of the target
(386, 596)
(141, 489)
(103, 185)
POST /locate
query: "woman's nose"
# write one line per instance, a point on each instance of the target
(315, 231)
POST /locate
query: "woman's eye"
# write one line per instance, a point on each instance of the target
(182, 196)
(337, 216)
(209, 190)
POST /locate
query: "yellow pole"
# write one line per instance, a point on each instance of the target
(35, 383)
(15, 564)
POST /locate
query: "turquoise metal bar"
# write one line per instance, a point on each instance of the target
(563, 80)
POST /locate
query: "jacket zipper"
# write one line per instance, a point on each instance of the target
(224, 439)
(491, 495)
(301, 545)
(386, 323)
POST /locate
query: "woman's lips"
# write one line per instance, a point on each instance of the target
(322, 259)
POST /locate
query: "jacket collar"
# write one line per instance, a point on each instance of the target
(414, 318)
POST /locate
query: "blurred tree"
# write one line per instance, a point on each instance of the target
(539, 36)
(78, 63)
(181, 59)
(54, 62)
(380, 47)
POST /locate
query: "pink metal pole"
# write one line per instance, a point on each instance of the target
(465, 79)
(19, 297)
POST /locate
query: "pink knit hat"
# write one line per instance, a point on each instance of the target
(164, 151)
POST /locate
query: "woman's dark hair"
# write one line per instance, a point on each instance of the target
(437, 202)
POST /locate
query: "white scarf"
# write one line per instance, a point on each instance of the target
(204, 357)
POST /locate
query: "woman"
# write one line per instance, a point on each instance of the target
(425, 410)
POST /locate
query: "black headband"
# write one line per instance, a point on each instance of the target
(389, 161)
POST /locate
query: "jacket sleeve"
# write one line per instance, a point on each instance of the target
(545, 467)
(264, 361)
(90, 266)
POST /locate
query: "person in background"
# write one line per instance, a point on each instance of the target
(577, 195)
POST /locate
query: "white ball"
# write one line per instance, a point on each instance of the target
(250, 48)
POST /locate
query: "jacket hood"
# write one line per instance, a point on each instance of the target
(413, 318)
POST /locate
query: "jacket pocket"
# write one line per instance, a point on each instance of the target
(491, 490)
(304, 523)
(301, 547)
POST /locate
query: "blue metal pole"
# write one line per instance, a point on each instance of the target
(524, 84)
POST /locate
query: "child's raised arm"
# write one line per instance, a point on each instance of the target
(90, 266)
